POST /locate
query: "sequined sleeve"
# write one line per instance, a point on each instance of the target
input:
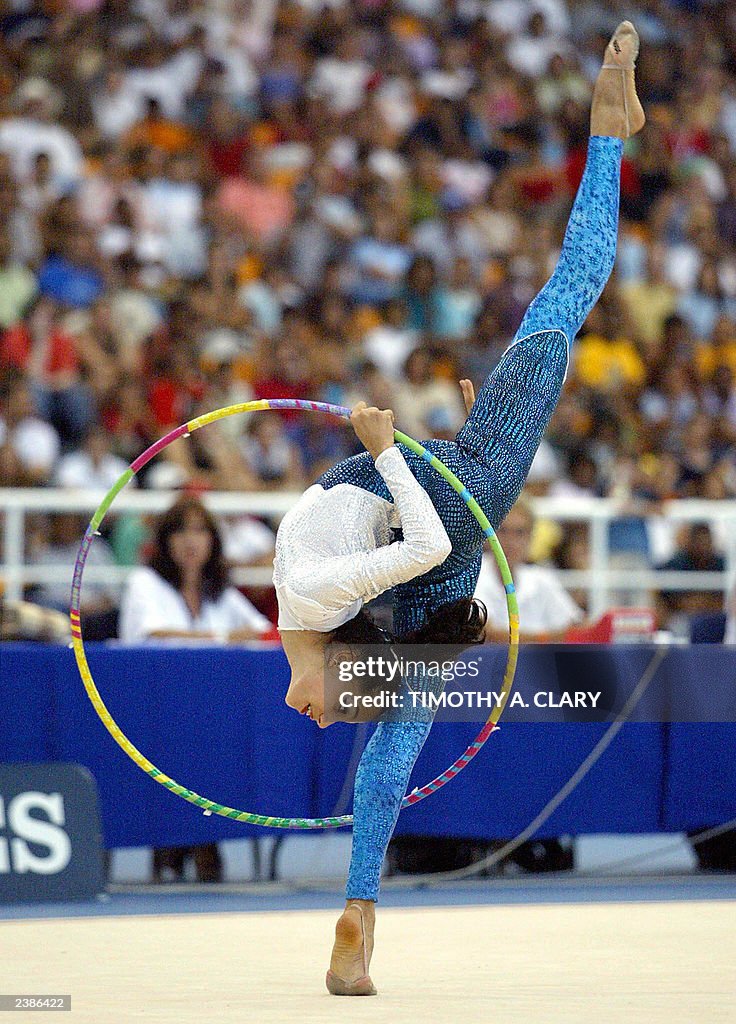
(341, 581)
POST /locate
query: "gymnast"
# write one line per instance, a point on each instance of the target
(334, 550)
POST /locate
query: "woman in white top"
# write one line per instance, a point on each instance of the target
(546, 610)
(185, 593)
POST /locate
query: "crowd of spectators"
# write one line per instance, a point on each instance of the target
(202, 203)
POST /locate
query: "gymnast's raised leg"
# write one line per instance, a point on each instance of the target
(503, 432)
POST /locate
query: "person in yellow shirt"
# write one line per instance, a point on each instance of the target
(720, 351)
(604, 360)
(650, 301)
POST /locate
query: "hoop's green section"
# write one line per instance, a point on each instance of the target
(110, 497)
(248, 817)
(511, 602)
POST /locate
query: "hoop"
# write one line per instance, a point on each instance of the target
(210, 806)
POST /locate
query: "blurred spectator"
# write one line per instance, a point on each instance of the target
(388, 344)
(581, 480)
(156, 130)
(531, 52)
(261, 210)
(72, 277)
(93, 465)
(458, 302)
(270, 454)
(173, 203)
(17, 284)
(425, 404)
(226, 138)
(54, 544)
(341, 79)
(34, 130)
(378, 260)
(606, 360)
(33, 440)
(546, 610)
(41, 348)
(650, 299)
(486, 343)
(421, 293)
(573, 552)
(116, 107)
(702, 304)
(184, 593)
(696, 552)
(41, 189)
(247, 541)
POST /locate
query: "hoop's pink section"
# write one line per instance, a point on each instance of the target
(455, 768)
(149, 453)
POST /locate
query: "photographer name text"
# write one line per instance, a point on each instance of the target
(471, 699)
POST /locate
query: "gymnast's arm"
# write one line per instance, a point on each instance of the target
(337, 582)
(425, 543)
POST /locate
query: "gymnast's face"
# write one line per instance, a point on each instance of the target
(310, 693)
(305, 651)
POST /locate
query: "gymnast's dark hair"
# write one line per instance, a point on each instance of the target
(460, 622)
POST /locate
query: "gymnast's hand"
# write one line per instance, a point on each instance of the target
(373, 427)
(466, 386)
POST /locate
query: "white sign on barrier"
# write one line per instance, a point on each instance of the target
(50, 845)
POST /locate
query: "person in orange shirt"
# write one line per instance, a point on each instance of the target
(158, 131)
(721, 351)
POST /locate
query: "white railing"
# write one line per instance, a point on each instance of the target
(600, 580)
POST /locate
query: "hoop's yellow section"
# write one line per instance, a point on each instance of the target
(230, 410)
(107, 719)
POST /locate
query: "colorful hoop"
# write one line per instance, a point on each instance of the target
(210, 806)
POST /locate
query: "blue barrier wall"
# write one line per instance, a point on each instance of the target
(215, 721)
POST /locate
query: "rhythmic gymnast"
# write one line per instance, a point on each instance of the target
(334, 550)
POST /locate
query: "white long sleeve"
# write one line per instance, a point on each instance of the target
(333, 550)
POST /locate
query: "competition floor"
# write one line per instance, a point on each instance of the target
(633, 952)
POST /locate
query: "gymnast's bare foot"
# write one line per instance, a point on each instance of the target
(616, 110)
(351, 954)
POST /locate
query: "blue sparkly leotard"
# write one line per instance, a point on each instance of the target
(491, 455)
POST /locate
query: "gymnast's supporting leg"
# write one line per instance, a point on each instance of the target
(380, 784)
(503, 430)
